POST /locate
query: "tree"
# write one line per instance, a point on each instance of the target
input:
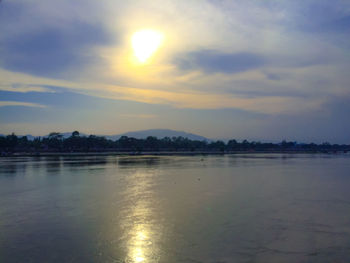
(54, 140)
(12, 140)
(36, 143)
(245, 144)
(232, 144)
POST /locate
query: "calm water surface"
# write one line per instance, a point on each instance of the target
(234, 208)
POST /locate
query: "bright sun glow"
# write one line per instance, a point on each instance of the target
(145, 43)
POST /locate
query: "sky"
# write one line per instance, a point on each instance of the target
(259, 70)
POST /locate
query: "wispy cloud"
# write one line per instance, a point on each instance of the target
(211, 61)
(25, 88)
(200, 100)
(20, 103)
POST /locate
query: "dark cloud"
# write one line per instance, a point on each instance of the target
(46, 49)
(338, 25)
(9, 9)
(211, 61)
(50, 51)
(61, 98)
(273, 76)
(320, 16)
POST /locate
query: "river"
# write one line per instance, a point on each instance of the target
(215, 208)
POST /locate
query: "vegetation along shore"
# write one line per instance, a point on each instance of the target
(56, 144)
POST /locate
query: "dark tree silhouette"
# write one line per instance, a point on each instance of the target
(55, 142)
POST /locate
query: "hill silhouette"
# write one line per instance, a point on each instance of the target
(159, 133)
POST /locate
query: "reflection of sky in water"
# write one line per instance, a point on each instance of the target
(237, 208)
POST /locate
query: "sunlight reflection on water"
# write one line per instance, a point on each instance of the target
(139, 224)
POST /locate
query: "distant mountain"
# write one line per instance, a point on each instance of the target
(30, 137)
(69, 134)
(159, 133)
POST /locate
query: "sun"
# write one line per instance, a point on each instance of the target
(145, 43)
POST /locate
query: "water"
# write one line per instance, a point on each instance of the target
(235, 208)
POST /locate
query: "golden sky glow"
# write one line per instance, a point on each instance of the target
(184, 65)
(145, 43)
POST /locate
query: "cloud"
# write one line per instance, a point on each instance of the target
(38, 40)
(201, 100)
(51, 51)
(24, 88)
(319, 16)
(212, 61)
(20, 103)
(262, 57)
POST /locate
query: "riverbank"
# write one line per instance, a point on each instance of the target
(161, 153)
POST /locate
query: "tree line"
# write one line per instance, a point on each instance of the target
(55, 142)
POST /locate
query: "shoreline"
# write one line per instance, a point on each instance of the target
(163, 153)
